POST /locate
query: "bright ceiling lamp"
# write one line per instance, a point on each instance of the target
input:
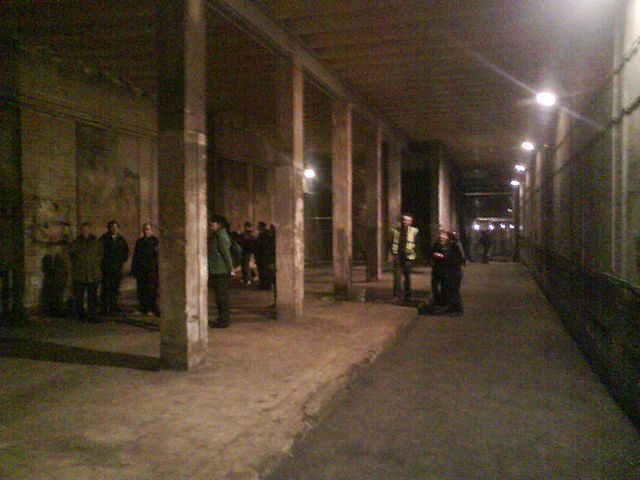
(309, 173)
(515, 183)
(546, 99)
(520, 168)
(528, 146)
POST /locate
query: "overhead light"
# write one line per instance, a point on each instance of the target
(491, 227)
(503, 226)
(546, 99)
(515, 183)
(476, 227)
(528, 146)
(512, 226)
(520, 168)
(309, 173)
(509, 210)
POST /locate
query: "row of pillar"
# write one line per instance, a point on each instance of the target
(183, 187)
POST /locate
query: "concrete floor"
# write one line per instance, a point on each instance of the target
(501, 393)
(84, 401)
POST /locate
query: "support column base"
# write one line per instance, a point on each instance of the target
(288, 312)
(182, 357)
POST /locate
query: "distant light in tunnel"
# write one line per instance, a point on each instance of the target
(520, 168)
(515, 183)
(309, 173)
(491, 227)
(546, 99)
(503, 226)
(476, 227)
(528, 146)
(512, 226)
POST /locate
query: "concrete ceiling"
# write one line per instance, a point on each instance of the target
(456, 70)
(449, 70)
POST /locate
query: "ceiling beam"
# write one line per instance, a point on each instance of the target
(266, 30)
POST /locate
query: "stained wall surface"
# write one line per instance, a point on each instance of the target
(85, 143)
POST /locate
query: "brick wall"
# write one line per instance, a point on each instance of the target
(67, 176)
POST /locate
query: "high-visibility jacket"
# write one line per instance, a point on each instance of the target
(410, 247)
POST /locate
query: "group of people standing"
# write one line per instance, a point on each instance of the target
(447, 260)
(97, 263)
(262, 250)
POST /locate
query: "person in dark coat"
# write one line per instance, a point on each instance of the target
(247, 241)
(85, 253)
(144, 267)
(485, 242)
(220, 268)
(453, 262)
(115, 251)
(438, 252)
(265, 255)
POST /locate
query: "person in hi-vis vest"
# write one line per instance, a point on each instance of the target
(403, 249)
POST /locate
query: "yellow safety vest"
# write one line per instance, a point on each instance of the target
(410, 248)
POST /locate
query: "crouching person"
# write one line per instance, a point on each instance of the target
(86, 258)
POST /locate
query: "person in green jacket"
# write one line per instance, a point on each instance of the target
(220, 268)
(85, 253)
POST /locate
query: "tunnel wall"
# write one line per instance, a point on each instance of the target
(84, 148)
(87, 153)
(580, 213)
(11, 208)
(241, 175)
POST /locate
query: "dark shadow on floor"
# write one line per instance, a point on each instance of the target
(385, 295)
(54, 352)
(150, 325)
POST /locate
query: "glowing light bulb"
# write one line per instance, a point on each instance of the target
(546, 99)
(309, 173)
(528, 146)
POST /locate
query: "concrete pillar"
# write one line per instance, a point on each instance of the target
(289, 201)
(182, 182)
(374, 206)
(341, 165)
(394, 206)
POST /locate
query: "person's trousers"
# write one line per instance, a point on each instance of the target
(438, 288)
(454, 299)
(91, 290)
(401, 267)
(220, 284)
(110, 291)
(247, 274)
(147, 289)
(266, 275)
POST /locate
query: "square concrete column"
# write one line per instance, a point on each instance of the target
(182, 182)
(289, 200)
(341, 168)
(394, 207)
(374, 206)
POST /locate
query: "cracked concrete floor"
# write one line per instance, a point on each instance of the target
(500, 393)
